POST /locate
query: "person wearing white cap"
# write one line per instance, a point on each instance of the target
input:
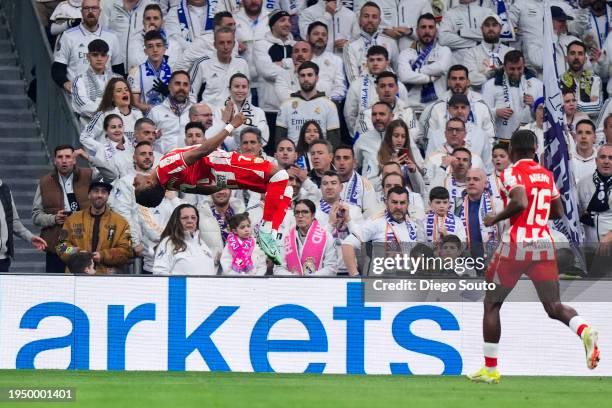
(460, 28)
(484, 59)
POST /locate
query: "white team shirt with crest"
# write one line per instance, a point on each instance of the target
(215, 75)
(295, 111)
(71, 49)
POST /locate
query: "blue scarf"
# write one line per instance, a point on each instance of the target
(223, 223)
(428, 92)
(148, 75)
(185, 19)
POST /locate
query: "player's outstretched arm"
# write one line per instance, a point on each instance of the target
(556, 209)
(518, 203)
(210, 145)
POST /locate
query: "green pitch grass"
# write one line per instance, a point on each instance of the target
(181, 390)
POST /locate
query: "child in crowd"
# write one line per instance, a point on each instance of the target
(241, 255)
(439, 221)
(81, 262)
(450, 251)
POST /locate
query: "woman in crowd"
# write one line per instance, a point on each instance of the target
(240, 97)
(395, 146)
(241, 255)
(117, 99)
(572, 117)
(309, 132)
(181, 251)
(308, 248)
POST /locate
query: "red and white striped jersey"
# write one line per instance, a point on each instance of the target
(529, 236)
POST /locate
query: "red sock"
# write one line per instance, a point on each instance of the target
(491, 361)
(276, 203)
(580, 329)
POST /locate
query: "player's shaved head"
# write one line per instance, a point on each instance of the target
(523, 145)
(148, 190)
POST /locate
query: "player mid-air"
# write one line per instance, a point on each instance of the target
(530, 199)
(204, 169)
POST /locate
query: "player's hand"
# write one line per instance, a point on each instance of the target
(38, 243)
(504, 113)
(238, 120)
(97, 257)
(60, 217)
(228, 111)
(489, 219)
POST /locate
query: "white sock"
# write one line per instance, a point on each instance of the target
(266, 227)
(575, 322)
(490, 351)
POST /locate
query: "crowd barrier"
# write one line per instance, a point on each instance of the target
(284, 325)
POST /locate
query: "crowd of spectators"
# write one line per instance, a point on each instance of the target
(392, 118)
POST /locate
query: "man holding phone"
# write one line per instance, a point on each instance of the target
(59, 193)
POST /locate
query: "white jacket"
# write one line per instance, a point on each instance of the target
(361, 95)
(127, 25)
(120, 161)
(329, 261)
(196, 259)
(214, 76)
(192, 52)
(210, 231)
(268, 70)
(331, 75)
(495, 97)
(460, 28)
(342, 25)
(436, 65)
(87, 90)
(603, 221)
(400, 13)
(403, 112)
(64, 12)
(259, 263)
(434, 118)
(151, 222)
(93, 135)
(483, 60)
(366, 154)
(136, 54)
(171, 125)
(475, 140)
(248, 32)
(331, 80)
(527, 16)
(123, 202)
(254, 116)
(365, 198)
(354, 53)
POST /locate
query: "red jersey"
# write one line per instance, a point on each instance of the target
(529, 235)
(219, 169)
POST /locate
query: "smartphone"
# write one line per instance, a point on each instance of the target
(404, 151)
(340, 213)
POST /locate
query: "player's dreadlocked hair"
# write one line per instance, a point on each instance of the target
(150, 196)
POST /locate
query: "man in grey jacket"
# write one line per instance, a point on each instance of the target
(11, 225)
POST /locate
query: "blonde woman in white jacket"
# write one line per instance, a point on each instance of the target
(181, 251)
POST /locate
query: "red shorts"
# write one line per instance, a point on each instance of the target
(235, 170)
(506, 271)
